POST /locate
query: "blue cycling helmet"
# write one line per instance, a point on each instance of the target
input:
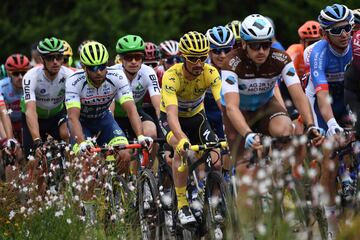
(333, 14)
(220, 37)
(256, 27)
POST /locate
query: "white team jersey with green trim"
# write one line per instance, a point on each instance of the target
(94, 102)
(48, 94)
(145, 80)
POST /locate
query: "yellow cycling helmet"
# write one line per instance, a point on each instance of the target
(194, 43)
(68, 50)
(117, 59)
(235, 27)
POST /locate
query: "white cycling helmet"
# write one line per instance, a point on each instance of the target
(256, 27)
(169, 48)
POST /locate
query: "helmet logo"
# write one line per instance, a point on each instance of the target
(259, 23)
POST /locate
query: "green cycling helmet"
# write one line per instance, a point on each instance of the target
(93, 54)
(50, 45)
(130, 43)
(3, 73)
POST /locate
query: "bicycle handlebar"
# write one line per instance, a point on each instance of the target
(145, 152)
(197, 148)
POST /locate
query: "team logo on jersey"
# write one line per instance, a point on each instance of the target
(279, 56)
(234, 62)
(106, 89)
(139, 87)
(291, 72)
(242, 86)
(170, 89)
(230, 80)
(62, 80)
(42, 91)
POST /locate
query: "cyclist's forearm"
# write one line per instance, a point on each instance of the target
(6, 122)
(302, 104)
(237, 120)
(155, 100)
(324, 105)
(32, 123)
(175, 127)
(76, 130)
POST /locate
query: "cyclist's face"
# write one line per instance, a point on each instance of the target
(97, 77)
(258, 52)
(217, 57)
(342, 38)
(16, 78)
(53, 62)
(132, 61)
(195, 67)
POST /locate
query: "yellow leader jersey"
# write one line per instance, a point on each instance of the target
(188, 95)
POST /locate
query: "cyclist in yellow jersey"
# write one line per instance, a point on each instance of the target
(182, 116)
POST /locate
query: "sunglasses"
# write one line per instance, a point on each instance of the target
(52, 57)
(337, 31)
(195, 59)
(152, 64)
(218, 51)
(130, 57)
(173, 59)
(17, 74)
(257, 45)
(101, 67)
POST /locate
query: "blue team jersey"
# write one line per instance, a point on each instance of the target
(327, 69)
(11, 98)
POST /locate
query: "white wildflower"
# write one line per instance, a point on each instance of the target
(11, 214)
(59, 213)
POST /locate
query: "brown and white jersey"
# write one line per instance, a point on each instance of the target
(255, 84)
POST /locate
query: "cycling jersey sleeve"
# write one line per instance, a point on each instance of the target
(124, 93)
(29, 85)
(229, 82)
(170, 85)
(317, 68)
(289, 75)
(356, 49)
(72, 93)
(2, 100)
(153, 85)
(215, 83)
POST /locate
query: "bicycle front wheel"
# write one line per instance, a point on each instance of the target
(149, 210)
(216, 206)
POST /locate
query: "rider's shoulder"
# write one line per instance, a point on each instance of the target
(232, 60)
(210, 70)
(115, 74)
(279, 56)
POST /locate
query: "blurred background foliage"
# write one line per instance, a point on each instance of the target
(26, 22)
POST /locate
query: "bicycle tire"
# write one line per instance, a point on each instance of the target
(213, 225)
(116, 198)
(149, 211)
(168, 213)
